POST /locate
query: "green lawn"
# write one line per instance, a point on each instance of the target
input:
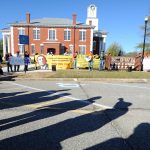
(70, 73)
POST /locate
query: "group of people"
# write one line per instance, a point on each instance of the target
(8, 57)
(105, 62)
(89, 58)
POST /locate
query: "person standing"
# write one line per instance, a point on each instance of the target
(109, 61)
(102, 61)
(90, 61)
(7, 59)
(26, 61)
(1, 60)
(17, 66)
(35, 60)
(75, 60)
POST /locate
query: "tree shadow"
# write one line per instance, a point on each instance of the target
(50, 137)
(139, 140)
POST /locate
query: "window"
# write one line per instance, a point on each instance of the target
(42, 49)
(82, 35)
(71, 49)
(21, 48)
(21, 31)
(52, 34)
(36, 34)
(32, 49)
(82, 49)
(67, 35)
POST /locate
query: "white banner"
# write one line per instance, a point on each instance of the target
(16, 60)
(146, 64)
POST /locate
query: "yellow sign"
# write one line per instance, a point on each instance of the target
(83, 63)
(66, 62)
(61, 61)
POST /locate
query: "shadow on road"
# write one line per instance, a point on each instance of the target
(139, 140)
(17, 99)
(50, 137)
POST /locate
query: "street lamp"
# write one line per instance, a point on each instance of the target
(146, 20)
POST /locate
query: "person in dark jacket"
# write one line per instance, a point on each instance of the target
(26, 61)
(7, 59)
(1, 60)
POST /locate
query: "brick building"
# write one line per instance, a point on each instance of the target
(55, 35)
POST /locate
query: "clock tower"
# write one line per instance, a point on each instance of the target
(92, 16)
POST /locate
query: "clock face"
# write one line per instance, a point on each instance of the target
(92, 11)
(92, 8)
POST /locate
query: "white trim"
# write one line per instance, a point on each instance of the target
(8, 43)
(67, 29)
(4, 45)
(8, 33)
(82, 45)
(83, 30)
(51, 42)
(91, 41)
(12, 39)
(36, 28)
(104, 36)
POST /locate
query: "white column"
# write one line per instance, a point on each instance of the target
(8, 43)
(12, 40)
(4, 45)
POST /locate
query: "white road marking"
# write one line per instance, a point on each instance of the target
(70, 97)
(68, 85)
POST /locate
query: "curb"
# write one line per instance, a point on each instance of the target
(15, 78)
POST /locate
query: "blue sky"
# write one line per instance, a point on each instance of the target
(122, 19)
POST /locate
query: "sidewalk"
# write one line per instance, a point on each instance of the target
(11, 75)
(21, 69)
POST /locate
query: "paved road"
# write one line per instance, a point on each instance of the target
(73, 115)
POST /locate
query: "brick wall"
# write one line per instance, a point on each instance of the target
(44, 39)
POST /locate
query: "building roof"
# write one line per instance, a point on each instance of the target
(99, 33)
(52, 22)
(5, 30)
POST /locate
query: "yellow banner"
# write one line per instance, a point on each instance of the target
(64, 62)
(61, 61)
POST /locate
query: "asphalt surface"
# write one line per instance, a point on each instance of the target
(74, 115)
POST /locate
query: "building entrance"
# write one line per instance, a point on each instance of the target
(51, 50)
